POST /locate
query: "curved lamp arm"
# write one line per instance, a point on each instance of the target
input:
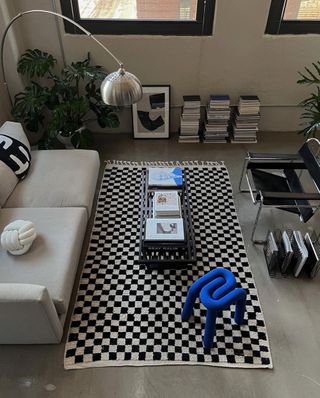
(114, 88)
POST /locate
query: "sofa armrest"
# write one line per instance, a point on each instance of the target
(28, 315)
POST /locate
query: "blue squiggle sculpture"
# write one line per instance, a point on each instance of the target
(217, 290)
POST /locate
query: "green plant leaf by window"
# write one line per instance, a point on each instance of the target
(30, 105)
(65, 103)
(311, 115)
(36, 63)
(83, 70)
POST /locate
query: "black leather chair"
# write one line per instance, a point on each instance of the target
(274, 180)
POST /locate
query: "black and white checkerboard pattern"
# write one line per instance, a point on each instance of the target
(128, 315)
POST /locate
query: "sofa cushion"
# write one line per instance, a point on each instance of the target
(15, 155)
(28, 308)
(8, 179)
(52, 260)
(58, 178)
(15, 130)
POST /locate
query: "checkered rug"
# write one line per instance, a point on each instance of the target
(126, 314)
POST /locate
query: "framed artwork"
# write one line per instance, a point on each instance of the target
(150, 116)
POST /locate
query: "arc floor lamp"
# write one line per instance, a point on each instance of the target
(118, 88)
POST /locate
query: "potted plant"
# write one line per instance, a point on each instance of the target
(64, 104)
(311, 115)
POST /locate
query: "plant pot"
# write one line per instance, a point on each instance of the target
(66, 139)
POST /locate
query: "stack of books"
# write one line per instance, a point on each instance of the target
(246, 119)
(166, 204)
(217, 121)
(166, 224)
(190, 119)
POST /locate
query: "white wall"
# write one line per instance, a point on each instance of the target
(12, 49)
(237, 59)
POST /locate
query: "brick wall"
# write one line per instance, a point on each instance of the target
(292, 9)
(302, 9)
(194, 8)
(163, 9)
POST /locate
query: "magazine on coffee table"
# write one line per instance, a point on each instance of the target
(165, 177)
(166, 204)
(164, 229)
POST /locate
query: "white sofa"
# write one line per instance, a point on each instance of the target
(57, 196)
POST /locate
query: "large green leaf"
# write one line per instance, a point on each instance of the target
(68, 116)
(36, 63)
(311, 114)
(83, 70)
(312, 122)
(64, 90)
(108, 120)
(106, 114)
(91, 89)
(29, 106)
(310, 76)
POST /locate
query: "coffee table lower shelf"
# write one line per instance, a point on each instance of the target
(163, 255)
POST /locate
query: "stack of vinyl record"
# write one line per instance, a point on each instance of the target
(190, 119)
(288, 252)
(218, 115)
(246, 119)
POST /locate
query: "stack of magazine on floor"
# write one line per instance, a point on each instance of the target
(289, 252)
(245, 120)
(190, 119)
(217, 119)
(166, 225)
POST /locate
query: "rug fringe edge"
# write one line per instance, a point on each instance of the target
(100, 364)
(168, 163)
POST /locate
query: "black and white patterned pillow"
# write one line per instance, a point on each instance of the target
(15, 155)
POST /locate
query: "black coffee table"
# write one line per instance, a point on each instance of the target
(166, 254)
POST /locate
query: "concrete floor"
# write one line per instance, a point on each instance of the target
(291, 310)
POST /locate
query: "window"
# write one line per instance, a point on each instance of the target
(156, 17)
(294, 17)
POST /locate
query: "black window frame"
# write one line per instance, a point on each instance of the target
(201, 27)
(276, 24)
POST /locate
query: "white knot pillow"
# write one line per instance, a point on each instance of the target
(17, 237)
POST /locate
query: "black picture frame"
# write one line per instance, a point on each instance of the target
(151, 115)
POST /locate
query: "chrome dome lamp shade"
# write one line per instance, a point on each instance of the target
(118, 88)
(121, 88)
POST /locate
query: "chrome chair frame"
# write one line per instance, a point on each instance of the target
(278, 159)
